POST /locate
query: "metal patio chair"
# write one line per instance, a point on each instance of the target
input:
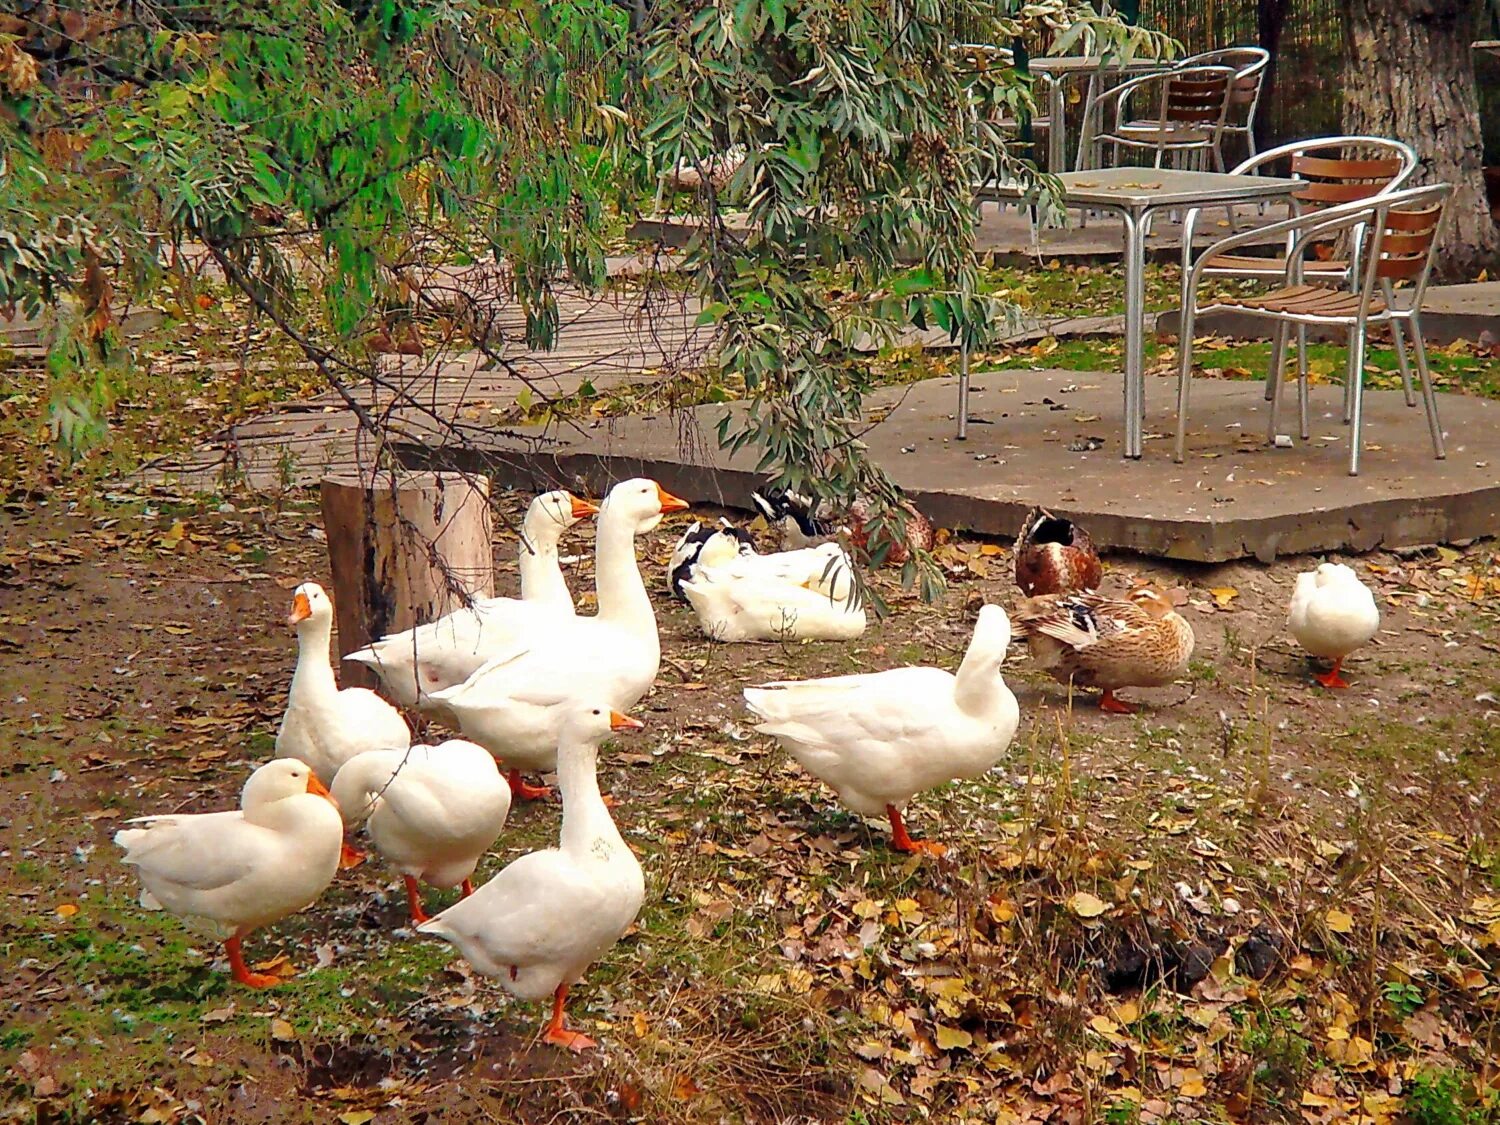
(1399, 232)
(1337, 170)
(1245, 88)
(1191, 106)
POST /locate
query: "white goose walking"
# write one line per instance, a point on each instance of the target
(540, 923)
(1332, 613)
(431, 812)
(416, 662)
(240, 870)
(324, 726)
(880, 738)
(515, 705)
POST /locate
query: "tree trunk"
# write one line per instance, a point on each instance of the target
(1270, 18)
(404, 554)
(1410, 76)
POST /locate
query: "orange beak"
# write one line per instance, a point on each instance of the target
(583, 508)
(618, 721)
(670, 503)
(301, 609)
(318, 789)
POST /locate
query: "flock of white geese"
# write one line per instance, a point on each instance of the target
(536, 687)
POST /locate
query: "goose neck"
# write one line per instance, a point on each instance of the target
(586, 819)
(622, 594)
(314, 673)
(977, 681)
(541, 572)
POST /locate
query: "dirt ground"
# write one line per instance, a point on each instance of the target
(1256, 900)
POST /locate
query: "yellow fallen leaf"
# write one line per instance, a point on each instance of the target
(949, 1038)
(357, 1116)
(1193, 1085)
(283, 1032)
(1104, 1025)
(639, 1024)
(1087, 905)
(1223, 595)
(1340, 921)
(67, 910)
(1128, 1012)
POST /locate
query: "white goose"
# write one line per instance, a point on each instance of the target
(515, 705)
(880, 738)
(445, 652)
(237, 871)
(431, 811)
(733, 609)
(540, 923)
(324, 726)
(1332, 613)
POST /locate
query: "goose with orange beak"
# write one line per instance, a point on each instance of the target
(515, 705)
(416, 662)
(540, 923)
(237, 871)
(324, 726)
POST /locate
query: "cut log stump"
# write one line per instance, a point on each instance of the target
(403, 552)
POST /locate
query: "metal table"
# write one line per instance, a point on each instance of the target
(1058, 70)
(1134, 193)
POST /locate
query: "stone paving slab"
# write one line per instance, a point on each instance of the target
(1031, 438)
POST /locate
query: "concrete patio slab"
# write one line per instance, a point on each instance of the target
(1053, 438)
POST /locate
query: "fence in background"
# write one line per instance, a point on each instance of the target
(1309, 65)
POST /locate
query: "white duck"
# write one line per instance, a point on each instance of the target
(324, 726)
(514, 706)
(730, 553)
(880, 738)
(413, 663)
(543, 920)
(733, 609)
(431, 811)
(241, 870)
(1332, 613)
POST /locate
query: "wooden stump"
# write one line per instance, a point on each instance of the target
(403, 553)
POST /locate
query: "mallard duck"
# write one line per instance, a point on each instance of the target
(1332, 613)
(732, 608)
(416, 662)
(1055, 556)
(238, 871)
(540, 923)
(803, 523)
(880, 738)
(514, 706)
(1107, 643)
(430, 811)
(324, 726)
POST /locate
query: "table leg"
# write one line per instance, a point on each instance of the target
(963, 391)
(1135, 362)
(1057, 133)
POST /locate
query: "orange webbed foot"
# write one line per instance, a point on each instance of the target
(349, 856)
(1114, 705)
(258, 980)
(922, 847)
(523, 790)
(1331, 680)
(572, 1040)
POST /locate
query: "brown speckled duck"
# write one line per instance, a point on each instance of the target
(1055, 556)
(1107, 643)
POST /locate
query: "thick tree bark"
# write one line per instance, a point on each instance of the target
(1410, 76)
(1270, 18)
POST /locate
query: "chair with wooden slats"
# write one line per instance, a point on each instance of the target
(1249, 64)
(1397, 233)
(1337, 170)
(1191, 106)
